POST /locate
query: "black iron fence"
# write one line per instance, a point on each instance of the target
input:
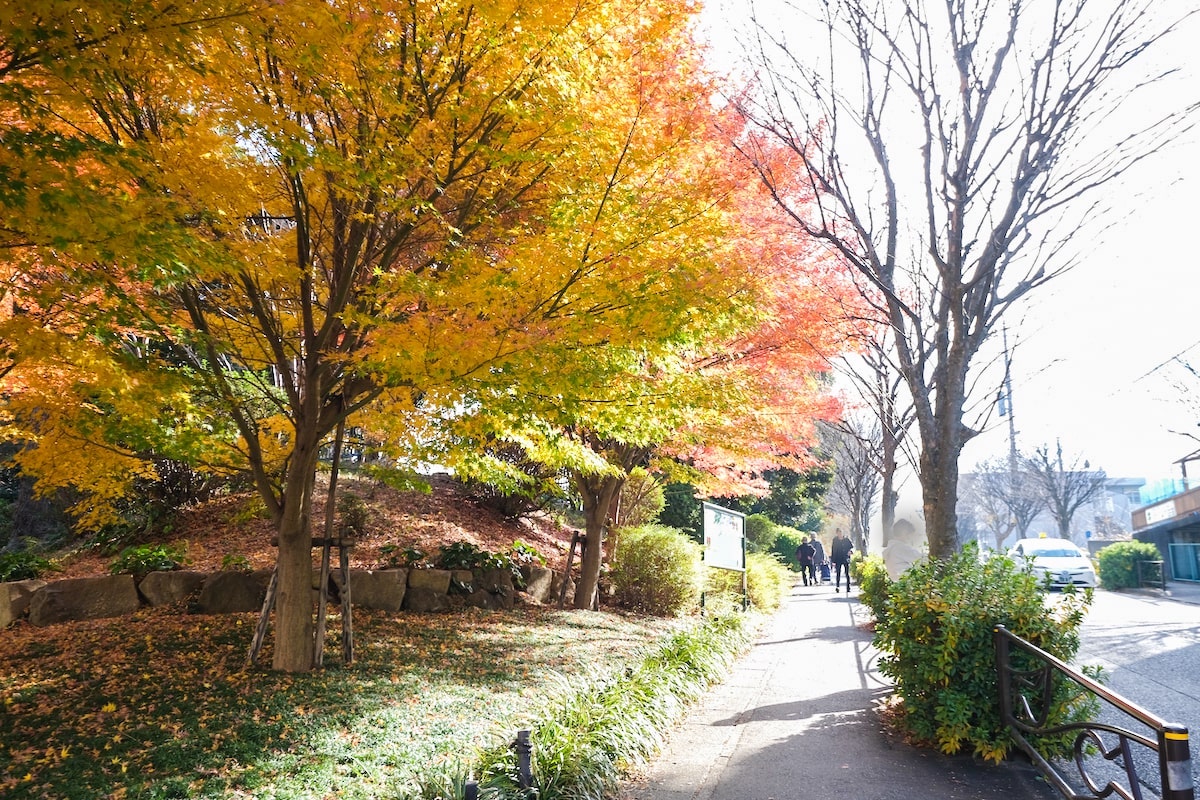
(1027, 693)
(1151, 574)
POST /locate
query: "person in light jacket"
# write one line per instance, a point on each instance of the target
(819, 561)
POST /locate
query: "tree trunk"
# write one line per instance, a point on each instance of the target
(939, 481)
(294, 602)
(888, 495)
(597, 492)
(863, 544)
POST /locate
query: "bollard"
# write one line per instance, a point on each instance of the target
(1176, 762)
(524, 750)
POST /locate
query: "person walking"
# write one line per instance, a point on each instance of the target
(805, 554)
(820, 571)
(839, 554)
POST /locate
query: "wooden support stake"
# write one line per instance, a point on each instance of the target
(562, 592)
(322, 601)
(326, 544)
(264, 619)
(347, 624)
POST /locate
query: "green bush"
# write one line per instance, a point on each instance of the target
(873, 581)
(354, 514)
(1117, 563)
(656, 570)
(642, 499)
(767, 584)
(142, 559)
(249, 510)
(235, 562)
(761, 533)
(937, 643)
(524, 554)
(786, 544)
(464, 555)
(24, 565)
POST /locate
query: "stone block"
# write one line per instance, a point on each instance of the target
(14, 599)
(434, 580)
(233, 592)
(165, 588)
(462, 581)
(493, 589)
(426, 600)
(538, 583)
(382, 590)
(83, 598)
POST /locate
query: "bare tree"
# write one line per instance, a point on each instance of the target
(1065, 488)
(951, 166)
(1006, 499)
(878, 381)
(855, 449)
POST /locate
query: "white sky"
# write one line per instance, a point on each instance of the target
(1087, 347)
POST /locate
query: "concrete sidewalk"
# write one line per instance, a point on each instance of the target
(795, 720)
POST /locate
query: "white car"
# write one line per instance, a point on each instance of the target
(1059, 559)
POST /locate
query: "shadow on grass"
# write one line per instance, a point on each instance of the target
(160, 705)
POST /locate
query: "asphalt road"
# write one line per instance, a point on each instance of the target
(1149, 648)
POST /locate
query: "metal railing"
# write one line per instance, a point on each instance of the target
(1151, 573)
(1027, 696)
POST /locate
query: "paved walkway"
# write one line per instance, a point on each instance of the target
(1179, 591)
(794, 721)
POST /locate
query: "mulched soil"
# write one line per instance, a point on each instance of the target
(446, 515)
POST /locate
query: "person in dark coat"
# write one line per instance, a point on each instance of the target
(839, 554)
(818, 560)
(805, 554)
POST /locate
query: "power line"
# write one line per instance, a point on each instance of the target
(1153, 370)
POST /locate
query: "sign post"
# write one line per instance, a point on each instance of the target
(725, 542)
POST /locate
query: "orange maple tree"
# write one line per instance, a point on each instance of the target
(304, 213)
(735, 389)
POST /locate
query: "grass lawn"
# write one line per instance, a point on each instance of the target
(160, 705)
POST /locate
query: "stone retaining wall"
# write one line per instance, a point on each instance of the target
(423, 590)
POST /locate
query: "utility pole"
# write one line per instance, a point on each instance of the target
(1006, 410)
(1006, 406)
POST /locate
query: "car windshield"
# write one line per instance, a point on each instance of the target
(1053, 552)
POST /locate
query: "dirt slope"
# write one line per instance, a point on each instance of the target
(226, 527)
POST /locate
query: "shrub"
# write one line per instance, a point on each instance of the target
(409, 557)
(353, 513)
(785, 546)
(501, 476)
(871, 575)
(1118, 563)
(24, 565)
(767, 583)
(761, 533)
(524, 554)
(641, 499)
(464, 555)
(252, 508)
(937, 643)
(235, 562)
(139, 560)
(656, 570)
